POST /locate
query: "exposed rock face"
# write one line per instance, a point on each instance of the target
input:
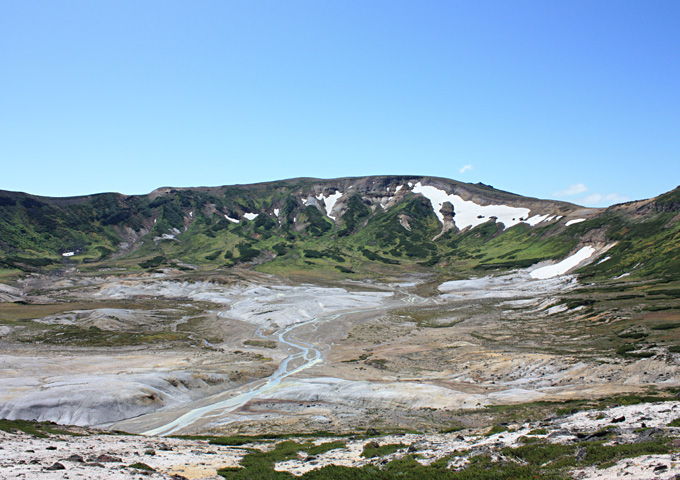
(447, 211)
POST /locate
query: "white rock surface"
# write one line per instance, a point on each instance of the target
(94, 390)
(362, 394)
(516, 284)
(284, 305)
(257, 304)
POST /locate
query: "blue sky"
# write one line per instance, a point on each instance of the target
(575, 100)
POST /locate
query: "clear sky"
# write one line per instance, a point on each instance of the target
(575, 100)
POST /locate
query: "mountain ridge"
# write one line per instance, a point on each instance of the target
(212, 189)
(413, 221)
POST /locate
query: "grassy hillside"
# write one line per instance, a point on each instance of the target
(284, 227)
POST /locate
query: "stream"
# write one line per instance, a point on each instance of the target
(309, 355)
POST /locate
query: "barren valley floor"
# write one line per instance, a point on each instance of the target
(424, 367)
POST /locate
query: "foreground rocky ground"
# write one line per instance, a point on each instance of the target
(639, 441)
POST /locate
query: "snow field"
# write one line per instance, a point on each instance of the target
(470, 214)
(329, 202)
(574, 221)
(564, 266)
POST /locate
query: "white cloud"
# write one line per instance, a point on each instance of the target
(592, 199)
(606, 199)
(572, 190)
(466, 168)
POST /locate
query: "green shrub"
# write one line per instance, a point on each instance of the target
(325, 447)
(355, 213)
(666, 326)
(33, 262)
(317, 223)
(623, 349)
(540, 453)
(154, 262)
(496, 429)
(264, 222)
(280, 248)
(375, 257)
(598, 454)
(213, 256)
(247, 253)
(659, 308)
(627, 350)
(371, 450)
(141, 466)
(37, 429)
(634, 335)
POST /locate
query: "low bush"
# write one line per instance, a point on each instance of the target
(666, 326)
(372, 449)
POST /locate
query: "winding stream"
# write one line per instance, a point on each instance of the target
(309, 355)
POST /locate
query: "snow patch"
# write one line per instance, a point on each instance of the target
(564, 266)
(330, 202)
(604, 260)
(398, 188)
(232, 220)
(470, 214)
(68, 254)
(250, 216)
(276, 212)
(536, 219)
(575, 221)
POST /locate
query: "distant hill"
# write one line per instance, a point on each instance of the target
(344, 226)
